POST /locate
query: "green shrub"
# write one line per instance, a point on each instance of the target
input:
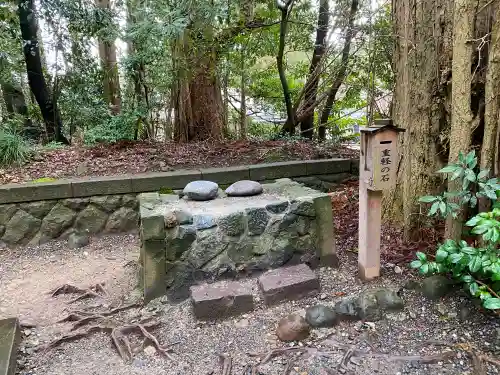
(477, 267)
(115, 128)
(14, 149)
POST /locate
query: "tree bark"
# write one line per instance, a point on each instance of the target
(489, 151)
(199, 111)
(243, 99)
(341, 74)
(38, 85)
(422, 66)
(109, 66)
(461, 118)
(311, 86)
(287, 97)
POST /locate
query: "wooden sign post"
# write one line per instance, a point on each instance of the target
(378, 172)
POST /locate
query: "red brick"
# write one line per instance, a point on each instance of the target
(221, 299)
(288, 283)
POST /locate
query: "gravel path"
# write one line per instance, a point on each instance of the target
(28, 275)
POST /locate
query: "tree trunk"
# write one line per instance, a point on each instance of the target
(422, 65)
(38, 85)
(199, 111)
(311, 86)
(290, 112)
(109, 66)
(461, 118)
(243, 101)
(16, 105)
(489, 151)
(341, 74)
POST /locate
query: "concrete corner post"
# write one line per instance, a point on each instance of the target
(325, 231)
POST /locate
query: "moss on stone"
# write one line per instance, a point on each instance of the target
(166, 190)
(44, 179)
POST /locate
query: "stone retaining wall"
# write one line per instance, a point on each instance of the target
(37, 212)
(290, 223)
(38, 222)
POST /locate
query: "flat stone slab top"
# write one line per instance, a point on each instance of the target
(288, 283)
(10, 336)
(221, 299)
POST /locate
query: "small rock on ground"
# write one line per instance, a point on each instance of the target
(321, 316)
(292, 328)
(78, 240)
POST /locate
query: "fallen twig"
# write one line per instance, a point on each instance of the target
(266, 357)
(96, 290)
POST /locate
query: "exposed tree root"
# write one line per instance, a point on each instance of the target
(117, 330)
(226, 363)
(96, 290)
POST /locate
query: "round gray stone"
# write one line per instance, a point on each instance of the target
(321, 316)
(78, 240)
(244, 188)
(201, 190)
(436, 286)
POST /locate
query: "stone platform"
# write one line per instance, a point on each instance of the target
(186, 242)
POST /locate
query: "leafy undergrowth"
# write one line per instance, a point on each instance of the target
(140, 157)
(393, 248)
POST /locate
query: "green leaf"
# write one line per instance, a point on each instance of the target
(421, 256)
(449, 168)
(474, 289)
(470, 175)
(434, 208)
(473, 222)
(416, 264)
(456, 257)
(475, 264)
(461, 157)
(424, 269)
(470, 157)
(442, 207)
(467, 278)
(483, 174)
(427, 199)
(469, 250)
(441, 255)
(458, 173)
(465, 184)
(492, 304)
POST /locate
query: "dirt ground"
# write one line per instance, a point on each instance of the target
(142, 157)
(443, 333)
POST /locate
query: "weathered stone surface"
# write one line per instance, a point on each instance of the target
(170, 220)
(242, 251)
(10, 337)
(257, 220)
(21, 228)
(374, 303)
(371, 305)
(292, 328)
(435, 287)
(57, 221)
(38, 209)
(222, 299)
(278, 207)
(91, 219)
(153, 256)
(288, 283)
(180, 242)
(325, 238)
(303, 207)
(207, 246)
(130, 200)
(76, 204)
(152, 226)
(2, 230)
(233, 224)
(204, 221)
(244, 188)
(77, 240)
(183, 217)
(107, 203)
(123, 220)
(347, 309)
(201, 190)
(321, 316)
(6, 212)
